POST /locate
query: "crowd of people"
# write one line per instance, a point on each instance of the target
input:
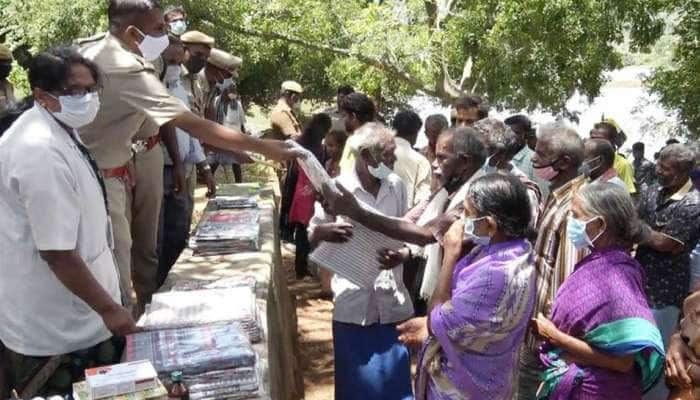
(535, 264)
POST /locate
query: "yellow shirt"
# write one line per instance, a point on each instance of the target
(625, 171)
(133, 101)
(347, 159)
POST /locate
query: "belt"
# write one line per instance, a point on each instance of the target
(122, 173)
(142, 146)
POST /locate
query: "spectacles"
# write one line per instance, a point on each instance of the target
(79, 92)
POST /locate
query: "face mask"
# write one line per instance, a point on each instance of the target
(587, 169)
(546, 173)
(152, 47)
(195, 64)
(488, 168)
(380, 172)
(225, 84)
(179, 27)
(576, 231)
(172, 74)
(469, 232)
(5, 70)
(77, 112)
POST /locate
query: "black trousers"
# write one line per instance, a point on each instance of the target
(301, 241)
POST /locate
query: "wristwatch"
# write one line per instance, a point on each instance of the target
(206, 167)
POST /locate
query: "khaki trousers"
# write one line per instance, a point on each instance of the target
(119, 197)
(147, 196)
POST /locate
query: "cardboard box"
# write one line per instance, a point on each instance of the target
(118, 379)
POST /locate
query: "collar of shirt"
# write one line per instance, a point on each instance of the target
(403, 143)
(462, 192)
(680, 193)
(522, 154)
(352, 183)
(568, 187)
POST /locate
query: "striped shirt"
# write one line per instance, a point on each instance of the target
(555, 255)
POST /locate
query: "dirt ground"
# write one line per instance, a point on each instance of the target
(314, 314)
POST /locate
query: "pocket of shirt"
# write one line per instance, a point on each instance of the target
(104, 271)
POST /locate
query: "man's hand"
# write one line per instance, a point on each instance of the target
(179, 178)
(119, 321)
(342, 202)
(391, 258)
(336, 232)
(414, 332)
(545, 329)
(279, 151)
(210, 181)
(678, 357)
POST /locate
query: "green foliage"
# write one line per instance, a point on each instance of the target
(678, 86)
(517, 53)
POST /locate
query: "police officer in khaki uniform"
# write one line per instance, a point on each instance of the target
(132, 95)
(7, 93)
(198, 47)
(284, 115)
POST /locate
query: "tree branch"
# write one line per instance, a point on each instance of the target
(374, 62)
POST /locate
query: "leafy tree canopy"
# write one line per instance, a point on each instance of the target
(516, 53)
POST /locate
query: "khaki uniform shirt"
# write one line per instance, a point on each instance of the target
(131, 95)
(7, 96)
(284, 122)
(198, 89)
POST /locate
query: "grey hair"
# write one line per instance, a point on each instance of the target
(564, 141)
(500, 138)
(504, 197)
(467, 144)
(683, 156)
(614, 204)
(489, 126)
(371, 136)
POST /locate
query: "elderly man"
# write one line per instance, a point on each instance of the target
(370, 362)
(608, 131)
(670, 211)
(357, 110)
(132, 97)
(469, 109)
(284, 116)
(558, 156)
(599, 156)
(412, 167)
(460, 156)
(7, 93)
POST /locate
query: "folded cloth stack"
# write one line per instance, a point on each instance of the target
(171, 310)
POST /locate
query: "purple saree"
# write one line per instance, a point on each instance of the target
(478, 332)
(603, 303)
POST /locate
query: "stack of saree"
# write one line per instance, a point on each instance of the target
(477, 334)
(603, 303)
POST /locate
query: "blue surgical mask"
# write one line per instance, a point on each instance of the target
(469, 232)
(380, 172)
(178, 27)
(225, 84)
(576, 232)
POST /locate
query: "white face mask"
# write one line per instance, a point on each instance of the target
(173, 73)
(179, 27)
(380, 172)
(152, 47)
(225, 84)
(77, 111)
(470, 234)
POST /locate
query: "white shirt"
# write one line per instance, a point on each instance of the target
(414, 170)
(388, 301)
(235, 117)
(190, 149)
(50, 199)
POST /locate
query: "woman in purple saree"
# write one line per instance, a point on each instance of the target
(482, 305)
(602, 341)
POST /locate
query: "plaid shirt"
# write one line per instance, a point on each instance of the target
(555, 255)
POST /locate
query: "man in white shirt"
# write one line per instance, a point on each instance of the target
(59, 291)
(411, 166)
(370, 363)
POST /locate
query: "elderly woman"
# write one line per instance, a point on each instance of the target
(370, 363)
(602, 341)
(481, 307)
